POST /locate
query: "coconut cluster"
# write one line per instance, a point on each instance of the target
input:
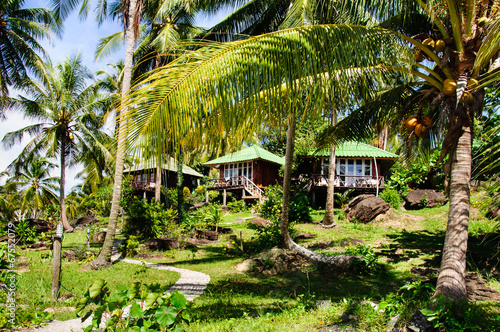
(449, 85)
(419, 125)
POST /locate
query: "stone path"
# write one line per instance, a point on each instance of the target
(191, 284)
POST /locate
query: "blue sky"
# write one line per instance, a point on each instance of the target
(79, 36)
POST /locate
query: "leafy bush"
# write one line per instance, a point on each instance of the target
(392, 197)
(195, 198)
(268, 236)
(152, 309)
(424, 173)
(236, 206)
(200, 190)
(150, 220)
(24, 233)
(186, 192)
(368, 254)
(100, 202)
(270, 208)
(213, 195)
(131, 246)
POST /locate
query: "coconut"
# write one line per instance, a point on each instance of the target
(439, 46)
(449, 87)
(429, 42)
(472, 83)
(411, 123)
(421, 130)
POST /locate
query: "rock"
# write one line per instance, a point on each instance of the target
(98, 237)
(420, 198)
(365, 208)
(222, 230)
(304, 236)
(248, 265)
(83, 221)
(41, 226)
(196, 242)
(259, 222)
(392, 323)
(162, 244)
(351, 242)
(206, 234)
(70, 255)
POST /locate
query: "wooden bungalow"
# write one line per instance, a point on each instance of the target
(144, 176)
(245, 172)
(358, 166)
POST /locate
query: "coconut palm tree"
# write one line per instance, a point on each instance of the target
(241, 82)
(20, 52)
(34, 186)
(61, 105)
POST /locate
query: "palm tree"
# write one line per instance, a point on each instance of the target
(243, 79)
(34, 186)
(20, 52)
(63, 103)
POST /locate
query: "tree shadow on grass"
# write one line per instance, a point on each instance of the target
(482, 251)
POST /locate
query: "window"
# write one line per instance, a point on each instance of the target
(238, 169)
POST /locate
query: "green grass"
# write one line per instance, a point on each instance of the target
(237, 301)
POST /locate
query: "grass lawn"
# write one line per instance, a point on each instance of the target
(237, 301)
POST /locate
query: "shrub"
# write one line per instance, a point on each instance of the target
(392, 197)
(200, 190)
(186, 192)
(269, 236)
(213, 195)
(24, 233)
(151, 220)
(151, 306)
(270, 208)
(236, 206)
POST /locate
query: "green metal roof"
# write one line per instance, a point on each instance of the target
(251, 153)
(170, 165)
(356, 149)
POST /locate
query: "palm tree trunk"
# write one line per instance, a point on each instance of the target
(287, 181)
(104, 256)
(338, 261)
(64, 218)
(158, 181)
(329, 218)
(451, 279)
(180, 191)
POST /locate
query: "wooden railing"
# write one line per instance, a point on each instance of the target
(234, 182)
(143, 185)
(349, 181)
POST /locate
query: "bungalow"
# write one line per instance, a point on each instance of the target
(358, 166)
(245, 172)
(144, 175)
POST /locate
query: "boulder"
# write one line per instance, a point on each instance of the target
(420, 198)
(208, 235)
(98, 237)
(70, 255)
(304, 236)
(162, 244)
(365, 208)
(222, 230)
(41, 226)
(259, 222)
(83, 221)
(196, 242)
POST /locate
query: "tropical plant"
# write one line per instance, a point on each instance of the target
(33, 186)
(20, 51)
(150, 305)
(279, 75)
(63, 103)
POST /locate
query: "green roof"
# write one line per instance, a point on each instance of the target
(251, 153)
(356, 149)
(170, 165)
